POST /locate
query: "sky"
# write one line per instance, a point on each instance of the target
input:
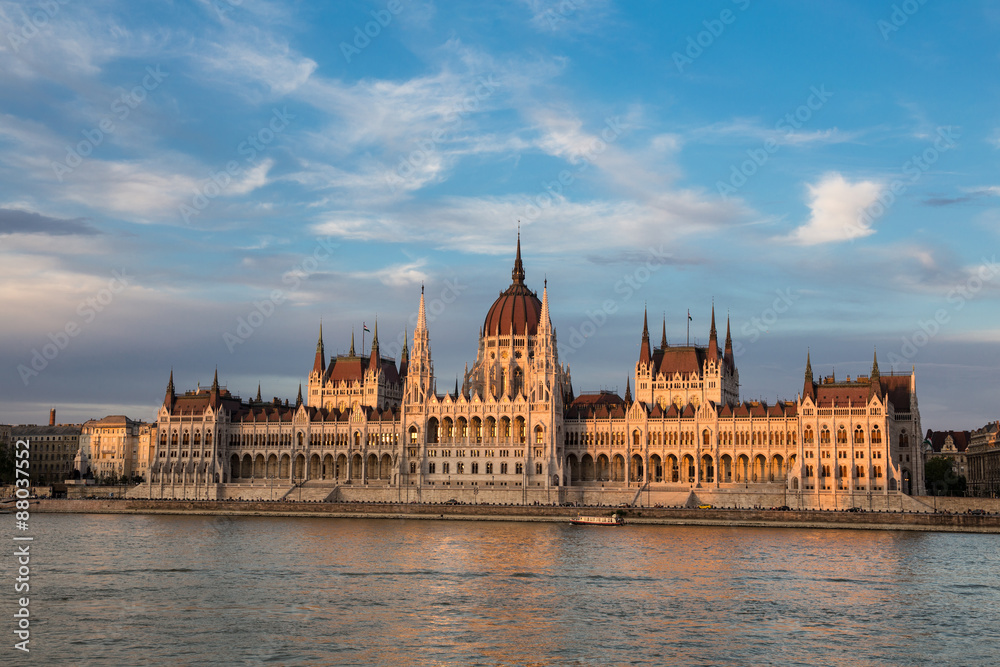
(193, 186)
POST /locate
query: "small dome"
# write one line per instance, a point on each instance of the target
(517, 306)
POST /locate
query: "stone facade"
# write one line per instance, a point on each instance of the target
(51, 450)
(983, 456)
(515, 432)
(109, 447)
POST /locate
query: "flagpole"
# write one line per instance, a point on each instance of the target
(363, 330)
(689, 328)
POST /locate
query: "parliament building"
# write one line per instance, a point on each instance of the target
(514, 431)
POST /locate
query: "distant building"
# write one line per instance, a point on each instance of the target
(513, 430)
(51, 450)
(950, 445)
(984, 461)
(109, 448)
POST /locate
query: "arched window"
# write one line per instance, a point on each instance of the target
(706, 438)
(859, 435)
(876, 436)
(842, 436)
(824, 436)
(539, 435)
(413, 435)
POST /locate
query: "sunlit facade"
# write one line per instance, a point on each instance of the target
(514, 431)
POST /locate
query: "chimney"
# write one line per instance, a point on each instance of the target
(52, 417)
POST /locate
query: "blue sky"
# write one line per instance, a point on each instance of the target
(826, 172)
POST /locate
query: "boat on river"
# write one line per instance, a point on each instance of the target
(613, 520)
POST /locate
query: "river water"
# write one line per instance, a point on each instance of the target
(132, 589)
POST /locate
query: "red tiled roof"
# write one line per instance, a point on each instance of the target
(679, 360)
(937, 438)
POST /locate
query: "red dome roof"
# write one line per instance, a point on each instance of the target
(517, 306)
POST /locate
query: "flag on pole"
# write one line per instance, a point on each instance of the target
(365, 327)
(689, 316)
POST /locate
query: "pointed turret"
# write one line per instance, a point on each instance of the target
(544, 321)
(713, 339)
(455, 395)
(258, 399)
(404, 357)
(298, 399)
(876, 379)
(808, 387)
(213, 393)
(628, 391)
(729, 358)
(351, 353)
(373, 362)
(171, 395)
(663, 338)
(644, 352)
(319, 363)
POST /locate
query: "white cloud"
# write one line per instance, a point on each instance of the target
(837, 206)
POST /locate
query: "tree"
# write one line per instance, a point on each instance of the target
(939, 474)
(6, 463)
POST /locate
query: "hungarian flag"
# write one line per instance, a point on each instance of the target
(365, 327)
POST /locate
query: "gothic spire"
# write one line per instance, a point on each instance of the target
(517, 275)
(713, 338)
(730, 359)
(663, 339)
(373, 364)
(298, 399)
(171, 395)
(319, 363)
(351, 353)
(644, 352)
(258, 399)
(876, 378)
(215, 381)
(628, 392)
(808, 388)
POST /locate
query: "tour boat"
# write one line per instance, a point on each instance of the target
(614, 520)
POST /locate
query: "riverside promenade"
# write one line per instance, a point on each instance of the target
(913, 521)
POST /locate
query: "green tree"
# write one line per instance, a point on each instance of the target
(939, 474)
(6, 463)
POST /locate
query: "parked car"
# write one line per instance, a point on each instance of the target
(704, 507)
(451, 501)
(854, 509)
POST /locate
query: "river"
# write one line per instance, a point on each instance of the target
(204, 590)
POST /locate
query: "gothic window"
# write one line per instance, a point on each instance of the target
(859, 435)
(824, 436)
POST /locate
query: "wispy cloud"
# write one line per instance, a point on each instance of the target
(14, 221)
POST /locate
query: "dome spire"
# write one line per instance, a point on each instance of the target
(517, 275)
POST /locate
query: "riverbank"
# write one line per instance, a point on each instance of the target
(964, 523)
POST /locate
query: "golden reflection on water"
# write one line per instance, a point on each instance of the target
(329, 591)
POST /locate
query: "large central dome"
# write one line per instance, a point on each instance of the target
(517, 306)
